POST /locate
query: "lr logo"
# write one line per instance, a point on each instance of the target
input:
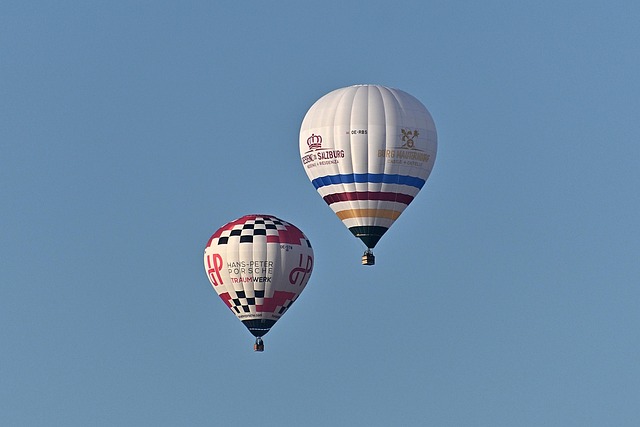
(214, 264)
(301, 271)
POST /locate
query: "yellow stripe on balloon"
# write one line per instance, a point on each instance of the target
(371, 213)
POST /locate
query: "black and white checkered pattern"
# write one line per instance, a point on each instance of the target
(282, 308)
(260, 226)
(241, 303)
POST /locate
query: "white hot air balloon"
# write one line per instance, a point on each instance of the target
(258, 265)
(368, 150)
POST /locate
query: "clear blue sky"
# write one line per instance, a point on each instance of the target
(506, 295)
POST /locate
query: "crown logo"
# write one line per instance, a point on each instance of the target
(408, 137)
(314, 142)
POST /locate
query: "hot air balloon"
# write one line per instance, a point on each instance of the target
(368, 150)
(258, 265)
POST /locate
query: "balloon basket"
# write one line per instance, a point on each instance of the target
(259, 345)
(368, 258)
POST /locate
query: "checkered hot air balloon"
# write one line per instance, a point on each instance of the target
(368, 150)
(258, 265)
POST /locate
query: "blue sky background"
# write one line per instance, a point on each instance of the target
(506, 295)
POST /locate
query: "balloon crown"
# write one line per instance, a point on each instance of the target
(314, 141)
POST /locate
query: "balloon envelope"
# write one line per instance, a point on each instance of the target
(258, 265)
(368, 150)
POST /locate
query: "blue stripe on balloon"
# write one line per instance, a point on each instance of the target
(368, 177)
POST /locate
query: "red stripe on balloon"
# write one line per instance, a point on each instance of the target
(368, 195)
(278, 300)
(226, 298)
